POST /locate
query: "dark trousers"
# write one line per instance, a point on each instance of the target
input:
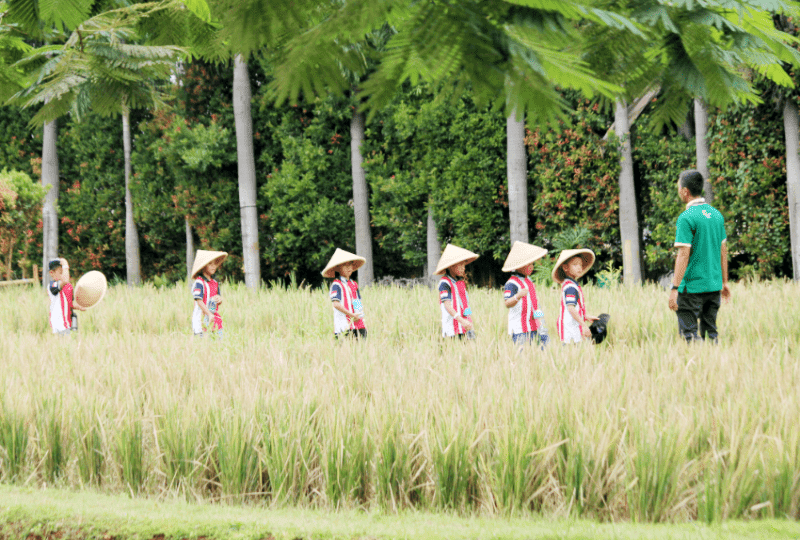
(358, 333)
(694, 306)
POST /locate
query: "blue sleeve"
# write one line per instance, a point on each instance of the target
(197, 290)
(336, 293)
(684, 233)
(571, 296)
(445, 293)
(510, 290)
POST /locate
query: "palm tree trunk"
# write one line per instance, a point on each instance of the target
(628, 218)
(791, 125)
(189, 249)
(701, 145)
(361, 199)
(247, 173)
(517, 172)
(434, 247)
(132, 256)
(49, 212)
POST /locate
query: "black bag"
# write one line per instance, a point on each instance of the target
(599, 329)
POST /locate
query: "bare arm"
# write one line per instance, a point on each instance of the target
(463, 321)
(681, 262)
(726, 291)
(511, 302)
(337, 305)
(573, 311)
(204, 307)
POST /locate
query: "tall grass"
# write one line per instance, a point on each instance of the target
(278, 413)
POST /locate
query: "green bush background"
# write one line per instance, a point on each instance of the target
(422, 150)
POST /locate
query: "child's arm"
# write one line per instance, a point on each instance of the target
(463, 321)
(511, 302)
(204, 308)
(337, 305)
(573, 311)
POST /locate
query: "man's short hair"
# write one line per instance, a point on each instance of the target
(53, 264)
(693, 181)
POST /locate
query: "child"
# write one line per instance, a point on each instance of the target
(348, 311)
(570, 266)
(61, 299)
(525, 321)
(207, 293)
(453, 299)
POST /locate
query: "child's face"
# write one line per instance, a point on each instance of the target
(212, 267)
(526, 270)
(459, 269)
(61, 273)
(347, 269)
(573, 267)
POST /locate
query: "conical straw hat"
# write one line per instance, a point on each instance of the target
(202, 259)
(453, 255)
(522, 255)
(91, 288)
(588, 260)
(341, 256)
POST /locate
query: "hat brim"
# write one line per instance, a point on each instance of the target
(521, 255)
(588, 261)
(204, 258)
(452, 256)
(339, 258)
(90, 289)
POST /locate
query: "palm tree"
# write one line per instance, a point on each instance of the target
(628, 209)
(247, 172)
(46, 23)
(243, 29)
(366, 274)
(688, 50)
(99, 69)
(701, 145)
(787, 98)
(517, 173)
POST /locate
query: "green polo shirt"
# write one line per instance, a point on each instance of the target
(702, 227)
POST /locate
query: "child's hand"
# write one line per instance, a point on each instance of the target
(522, 293)
(585, 332)
(592, 318)
(216, 298)
(466, 323)
(357, 316)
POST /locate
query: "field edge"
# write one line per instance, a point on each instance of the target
(58, 514)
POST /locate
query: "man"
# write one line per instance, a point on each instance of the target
(701, 266)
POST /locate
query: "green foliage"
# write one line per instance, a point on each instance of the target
(449, 154)
(747, 169)
(659, 159)
(100, 68)
(91, 196)
(20, 209)
(575, 185)
(307, 194)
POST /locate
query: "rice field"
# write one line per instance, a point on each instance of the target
(642, 428)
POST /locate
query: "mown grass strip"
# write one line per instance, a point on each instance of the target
(70, 515)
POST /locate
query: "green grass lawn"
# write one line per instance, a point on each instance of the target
(83, 514)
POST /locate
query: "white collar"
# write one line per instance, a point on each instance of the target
(695, 202)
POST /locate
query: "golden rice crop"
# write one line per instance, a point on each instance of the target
(641, 428)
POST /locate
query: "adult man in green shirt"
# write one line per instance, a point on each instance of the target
(701, 266)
